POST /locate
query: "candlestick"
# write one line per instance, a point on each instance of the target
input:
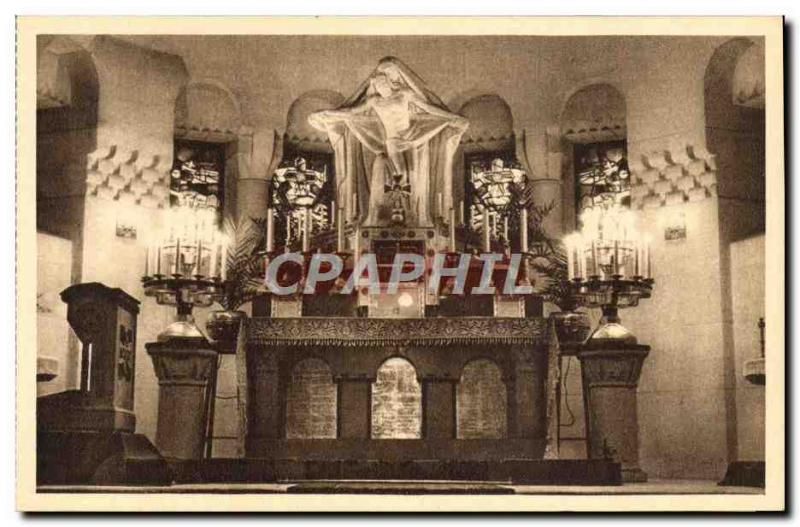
(270, 230)
(523, 229)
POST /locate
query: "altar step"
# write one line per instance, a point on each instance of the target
(509, 471)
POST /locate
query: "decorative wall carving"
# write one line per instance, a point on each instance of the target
(672, 177)
(360, 332)
(127, 175)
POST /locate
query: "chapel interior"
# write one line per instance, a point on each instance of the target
(497, 144)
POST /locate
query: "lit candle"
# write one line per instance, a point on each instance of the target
(570, 257)
(177, 255)
(487, 239)
(523, 229)
(214, 255)
(452, 230)
(306, 229)
(340, 232)
(224, 258)
(270, 230)
(199, 258)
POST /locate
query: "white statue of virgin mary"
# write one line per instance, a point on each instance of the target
(392, 126)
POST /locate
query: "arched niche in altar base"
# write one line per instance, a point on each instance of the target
(396, 401)
(481, 401)
(311, 401)
(593, 123)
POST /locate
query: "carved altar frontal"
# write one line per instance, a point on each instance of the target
(347, 401)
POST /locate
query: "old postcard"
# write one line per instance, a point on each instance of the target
(452, 264)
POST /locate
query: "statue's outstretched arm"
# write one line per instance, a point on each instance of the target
(455, 120)
(324, 118)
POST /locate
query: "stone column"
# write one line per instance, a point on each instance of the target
(265, 407)
(438, 407)
(611, 369)
(354, 410)
(184, 367)
(528, 394)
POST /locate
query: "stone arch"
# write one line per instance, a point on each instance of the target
(66, 75)
(311, 401)
(594, 113)
(207, 106)
(735, 133)
(491, 123)
(396, 401)
(299, 133)
(481, 401)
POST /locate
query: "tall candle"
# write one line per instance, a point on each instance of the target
(147, 261)
(461, 213)
(452, 230)
(487, 240)
(177, 255)
(214, 255)
(199, 257)
(353, 211)
(333, 213)
(440, 204)
(583, 266)
(616, 257)
(270, 230)
(224, 262)
(523, 229)
(340, 231)
(306, 229)
(570, 257)
(595, 261)
(158, 259)
(647, 258)
(505, 228)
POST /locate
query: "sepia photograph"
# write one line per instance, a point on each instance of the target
(421, 264)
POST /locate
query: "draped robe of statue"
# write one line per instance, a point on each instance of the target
(393, 125)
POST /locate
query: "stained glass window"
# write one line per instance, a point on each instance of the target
(495, 186)
(198, 175)
(602, 175)
(302, 185)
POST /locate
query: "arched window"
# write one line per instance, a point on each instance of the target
(593, 123)
(481, 402)
(311, 402)
(396, 401)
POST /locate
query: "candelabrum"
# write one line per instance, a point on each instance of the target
(608, 263)
(185, 267)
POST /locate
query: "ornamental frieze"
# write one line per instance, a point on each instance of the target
(311, 331)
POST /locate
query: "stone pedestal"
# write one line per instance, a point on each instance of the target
(611, 362)
(184, 367)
